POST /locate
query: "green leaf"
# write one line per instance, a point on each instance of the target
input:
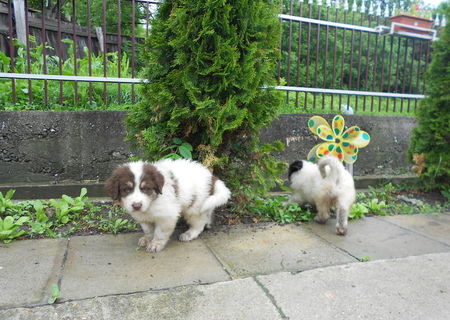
(83, 192)
(55, 294)
(177, 141)
(8, 223)
(68, 199)
(22, 220)
(10, 194)
(184, 152)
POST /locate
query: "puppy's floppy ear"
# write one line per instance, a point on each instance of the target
(159, 182)
(294, 167)
(112, 186)
(153, 177)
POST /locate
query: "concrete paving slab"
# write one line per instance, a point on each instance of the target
(108, 264)
(239, 299)
(435, 226)
(408, 288)
(249, 250)
(377, 239)
(28, 268)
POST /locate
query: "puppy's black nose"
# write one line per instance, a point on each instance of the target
(137, 205)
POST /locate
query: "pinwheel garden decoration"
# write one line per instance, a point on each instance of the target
(342, 144)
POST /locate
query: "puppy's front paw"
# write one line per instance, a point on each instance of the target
(321, 219)
(155, 246)
(186, 236)
(143, 241)
(341, 231)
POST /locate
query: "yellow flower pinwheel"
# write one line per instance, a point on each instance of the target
(342, 144)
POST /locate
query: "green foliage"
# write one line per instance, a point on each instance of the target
(364, 259)
(6, 203)
(55, 294)
(58, 217)
(179, 149)
(431, 138)
(275, 209)
(83, 89)
(67, 207)
(115, 223)
(10, 228)
(207, 65)
(359, 210)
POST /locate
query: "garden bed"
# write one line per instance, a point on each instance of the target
(69, 216)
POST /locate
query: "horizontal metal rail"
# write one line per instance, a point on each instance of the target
(33, 76)
(352, 92)
(327, 23)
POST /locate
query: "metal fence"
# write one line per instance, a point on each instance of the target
(52, 59)
(332, 55)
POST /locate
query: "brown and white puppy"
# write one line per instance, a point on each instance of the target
(325, 184)
(156, 194)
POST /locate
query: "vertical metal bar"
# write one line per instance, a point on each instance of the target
(375, 63)
(350, 74)
(427, 61)
(404, 74)
(119, 49)
(288, 71)
(411, 70)
(324, 84)
(333, 78)
(382, 72)
(280, 43)
(316, 67)
(75, 66)
(358, 79)
(391, 53)
(308, 52)
(343, 57)
(88, 13)
(105, 50)
(366, 78)
(299, 53)
(419, 66)
(397, 71)
(11, 50)
(133, 35)
(59, 52)
(44, 51)
(27, 44)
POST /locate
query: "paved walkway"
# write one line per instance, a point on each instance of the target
(263, 271)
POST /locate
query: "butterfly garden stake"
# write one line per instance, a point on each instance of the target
(342, 144)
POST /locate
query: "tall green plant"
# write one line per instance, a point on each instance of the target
(84, 89)
(210, 66)
(431, 139)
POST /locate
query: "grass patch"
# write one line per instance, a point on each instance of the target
(325, 103)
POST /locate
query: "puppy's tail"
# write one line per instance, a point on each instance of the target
(294, 167)
(330, 167)
(219, 197)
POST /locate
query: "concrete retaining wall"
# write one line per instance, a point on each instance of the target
(53, 147)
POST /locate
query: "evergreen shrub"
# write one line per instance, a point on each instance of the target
(210, 66)
(430, 142)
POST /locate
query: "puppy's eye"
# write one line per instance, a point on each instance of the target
(126, 190)
(146, 190)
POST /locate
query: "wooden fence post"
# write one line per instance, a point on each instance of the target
(99, 32)
(19, 14)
